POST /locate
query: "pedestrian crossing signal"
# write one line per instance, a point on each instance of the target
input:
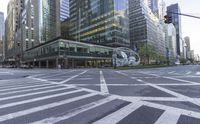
(167, 19)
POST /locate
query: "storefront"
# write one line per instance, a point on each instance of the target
(68, 54)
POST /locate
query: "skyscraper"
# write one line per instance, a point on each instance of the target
(64, 9)
(187, 47)
(1, 35)
(176, 20)
(153, 5)
(47, 19)
(10, 28)
(100, 21)
(143, 24)
(41, 22)
(1, 25)
(162, 9)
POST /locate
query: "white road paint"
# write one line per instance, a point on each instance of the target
(55, 75)
(33, 89)
(71, 78)
(178, 95)
(6, 73)
(76, 111)
(43, 107)
(153, 98)
(173, 109)
(118, 115)
(104, 88)
(168, 117)
(35, 93)
(171, 72)
(84, 78)
(176, 79)
(160, 84)
(122, 73)
(18, 88)
(198, 73)
(38, 99)
(189, 72)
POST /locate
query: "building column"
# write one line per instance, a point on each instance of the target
(33, 64)
(57, 62)
(39, 64)
(47, 64)
(73, 63)
(86, 63)
(66, 63)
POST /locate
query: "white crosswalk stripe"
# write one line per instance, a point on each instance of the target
(33, 89)
(76, 111)
(119, 115)
(38, 99)
(40, 108)
(35, 93)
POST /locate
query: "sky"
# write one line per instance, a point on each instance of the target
(190, 26)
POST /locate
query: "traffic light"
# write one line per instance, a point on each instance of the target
(18, 43)
(167, 19)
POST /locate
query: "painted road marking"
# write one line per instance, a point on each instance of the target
(71, 78)
(43, 107)
(171, 92)
(118, 115)
(171, 72)
(104, 88)
(38, 99)
(33, 89)
(36, 93)
(168, 117)
(176, 79)
(189, 72)
(76, 111)
(55, 75)
(198, 73)
(23, 87)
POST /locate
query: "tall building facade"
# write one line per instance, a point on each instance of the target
(10, 27)
(64, 9)
(1, 35)
(40, 21)
(153, 5)
(47, 19)
(145, 27)
(170, 41)
(176, 20)
(13, 30)
(102, 22)
(162, 9)
(187, 47)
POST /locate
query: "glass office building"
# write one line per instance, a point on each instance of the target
(1, 35)
(49, 19)
(176, 20)
(64, 9)
(102, 22)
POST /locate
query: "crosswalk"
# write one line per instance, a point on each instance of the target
(29, 101)
(176, 73)
(53, 98)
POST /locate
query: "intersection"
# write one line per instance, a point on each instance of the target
(168, 95)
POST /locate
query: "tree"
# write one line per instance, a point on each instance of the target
(147, 52)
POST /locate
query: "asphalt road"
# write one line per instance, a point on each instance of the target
(100, 96)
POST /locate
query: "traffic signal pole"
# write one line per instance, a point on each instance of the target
(187, 15)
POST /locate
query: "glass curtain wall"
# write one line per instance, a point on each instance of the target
(100, 21)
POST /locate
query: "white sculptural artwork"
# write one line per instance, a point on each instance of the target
(125, 57)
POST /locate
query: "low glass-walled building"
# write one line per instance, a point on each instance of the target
(68, 54)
